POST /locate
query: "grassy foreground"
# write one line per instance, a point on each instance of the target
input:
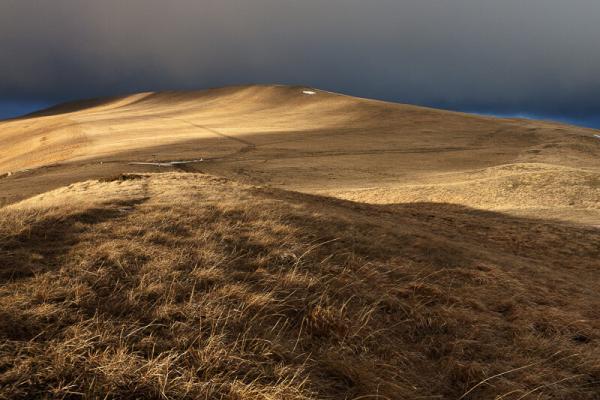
(187, 286)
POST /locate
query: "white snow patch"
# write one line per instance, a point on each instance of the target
(309, 92)
(597, 136)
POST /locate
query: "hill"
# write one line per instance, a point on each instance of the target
(276, 242)
(311, 141)
(184, 285)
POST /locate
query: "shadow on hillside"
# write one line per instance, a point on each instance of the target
(63, 108)
(42, 246)
(69, 107)
(449, 235)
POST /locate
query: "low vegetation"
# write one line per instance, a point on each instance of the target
(187, 286)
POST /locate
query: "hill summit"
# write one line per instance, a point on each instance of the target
(312, 141)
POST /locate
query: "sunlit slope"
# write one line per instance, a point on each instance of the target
(521, 188)
(266, 116)
(148, 120)
(317, 142)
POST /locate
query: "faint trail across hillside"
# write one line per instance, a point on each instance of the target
(248, 144)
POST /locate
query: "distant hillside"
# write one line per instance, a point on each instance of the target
(312, 141)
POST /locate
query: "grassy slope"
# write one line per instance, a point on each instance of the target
(342, 146)
(192, 286)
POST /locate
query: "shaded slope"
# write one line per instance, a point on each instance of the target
(192, 286)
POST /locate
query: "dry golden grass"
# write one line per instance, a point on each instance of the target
(326, 143)
(436, 269)
(189, 286)
(519, 188)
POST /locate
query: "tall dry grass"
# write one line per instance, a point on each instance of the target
(185, 286)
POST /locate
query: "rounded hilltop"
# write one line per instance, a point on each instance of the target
(319, 142)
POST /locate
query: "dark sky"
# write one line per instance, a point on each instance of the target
(534, 57)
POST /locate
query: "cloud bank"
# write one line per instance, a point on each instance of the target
(534, 56)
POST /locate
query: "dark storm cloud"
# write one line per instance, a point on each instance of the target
(536, 56)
